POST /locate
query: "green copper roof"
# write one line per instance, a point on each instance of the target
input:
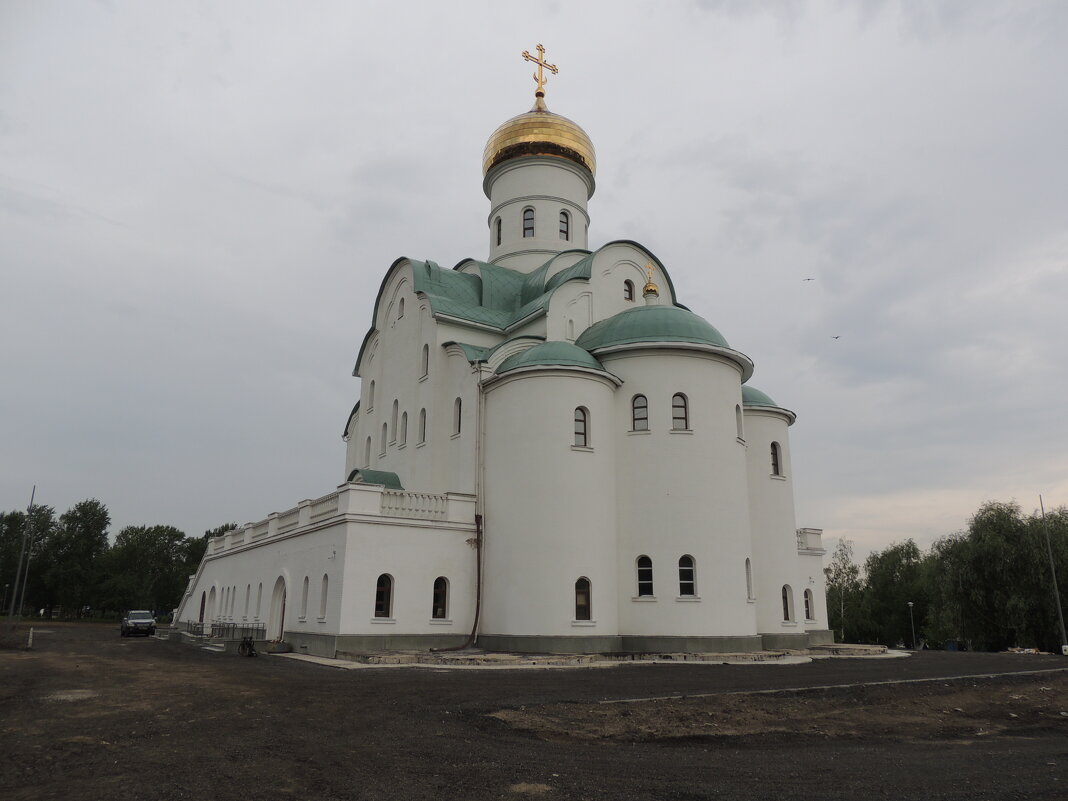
(551, 353)
(751, 396)
(384, 477)
(650, 324)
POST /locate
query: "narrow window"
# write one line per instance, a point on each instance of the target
(582, 419)
(498, 224)
(776, 459)
(367, 453)
(371, 396)
(259, 599)
(583, 606)
(403, 437)
(645, 576)
(426, 361)
(393, 420)
(687, 584)
(748, 579)
(440, 604)
(304, 599)
(565, 226)
(738, 422)
(457, 408)
(323, 593)
(400, 309)
(628, 290)
(639, 413)
(787, 603)
(384, 596)
(385, 433)
(680, 412)
(528, 223)
(422, 426)
(248, 595)
(809, 613)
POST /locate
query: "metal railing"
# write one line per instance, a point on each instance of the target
(194, 627)
(238, 631)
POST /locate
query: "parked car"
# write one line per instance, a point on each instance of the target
(138, 622)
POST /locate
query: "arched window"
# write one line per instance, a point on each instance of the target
(385, 433)
(645, 576)
(776, 459)
(248, 595)
(323, 594)
(628, 290)
(528, 223)
(457, 412)
(748, 579)
(400, 308)
(687, 577)
(680, 412)
(371, 396)
(639, 413)
(393, 420)
(738, 422)
(440, 604)
(498, 227)
(384, 596)
(304, 599)
(259, 599)
(787, 603)
(403, 436)
(583, 601)
(565, 226)
(367, 453)
(582, 431)
(422, 426)
(810, 612)
(426, 361)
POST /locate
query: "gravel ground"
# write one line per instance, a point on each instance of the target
(88, 715)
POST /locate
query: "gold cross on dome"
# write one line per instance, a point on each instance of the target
(539, 76)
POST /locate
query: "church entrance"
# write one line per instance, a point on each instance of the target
(276, 622)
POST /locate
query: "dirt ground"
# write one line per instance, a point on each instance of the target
(89, 715)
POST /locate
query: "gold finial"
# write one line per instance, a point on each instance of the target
(539, 76)
(650, 287)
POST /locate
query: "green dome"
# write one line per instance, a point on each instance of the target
(650, 324)
(551, 353)
(751, 396)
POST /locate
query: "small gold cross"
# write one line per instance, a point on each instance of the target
(539, 76)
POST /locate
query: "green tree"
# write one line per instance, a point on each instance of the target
(146, 568)
(843, 588)
(71, 556)
(895, 577)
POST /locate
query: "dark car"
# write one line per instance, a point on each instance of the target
(139, 622)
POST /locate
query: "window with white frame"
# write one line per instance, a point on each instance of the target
(323, 595)
(565, 226)
(528, 223)
(457, 413)
(776, 459)
(687, 576)
(628, 290)
(645, 576)
(582, 427)
(787, 603)
(426, 361)
(304, 599)
(393, 420)
(810, 612)
(422, 426)
(439, 609)
(639, 413)
(384, 596)
(680, 412)
(583, 600)
(749, 579)
(402, 436)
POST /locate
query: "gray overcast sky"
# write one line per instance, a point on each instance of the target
(198, 202)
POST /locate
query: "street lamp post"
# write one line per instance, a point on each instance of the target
(912, 623)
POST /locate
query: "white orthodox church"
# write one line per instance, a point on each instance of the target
(549, 453)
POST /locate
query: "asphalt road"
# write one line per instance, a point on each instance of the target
(88, 715)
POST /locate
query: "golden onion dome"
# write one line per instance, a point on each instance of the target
(539, 132)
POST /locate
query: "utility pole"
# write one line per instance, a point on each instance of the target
(912, 623)
(22, 554)
(1053, 575)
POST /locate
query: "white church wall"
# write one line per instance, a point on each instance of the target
(771, 503)
(547, 185)
(681, 492)
(550, 508)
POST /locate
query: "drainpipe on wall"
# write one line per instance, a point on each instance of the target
(479, 475)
